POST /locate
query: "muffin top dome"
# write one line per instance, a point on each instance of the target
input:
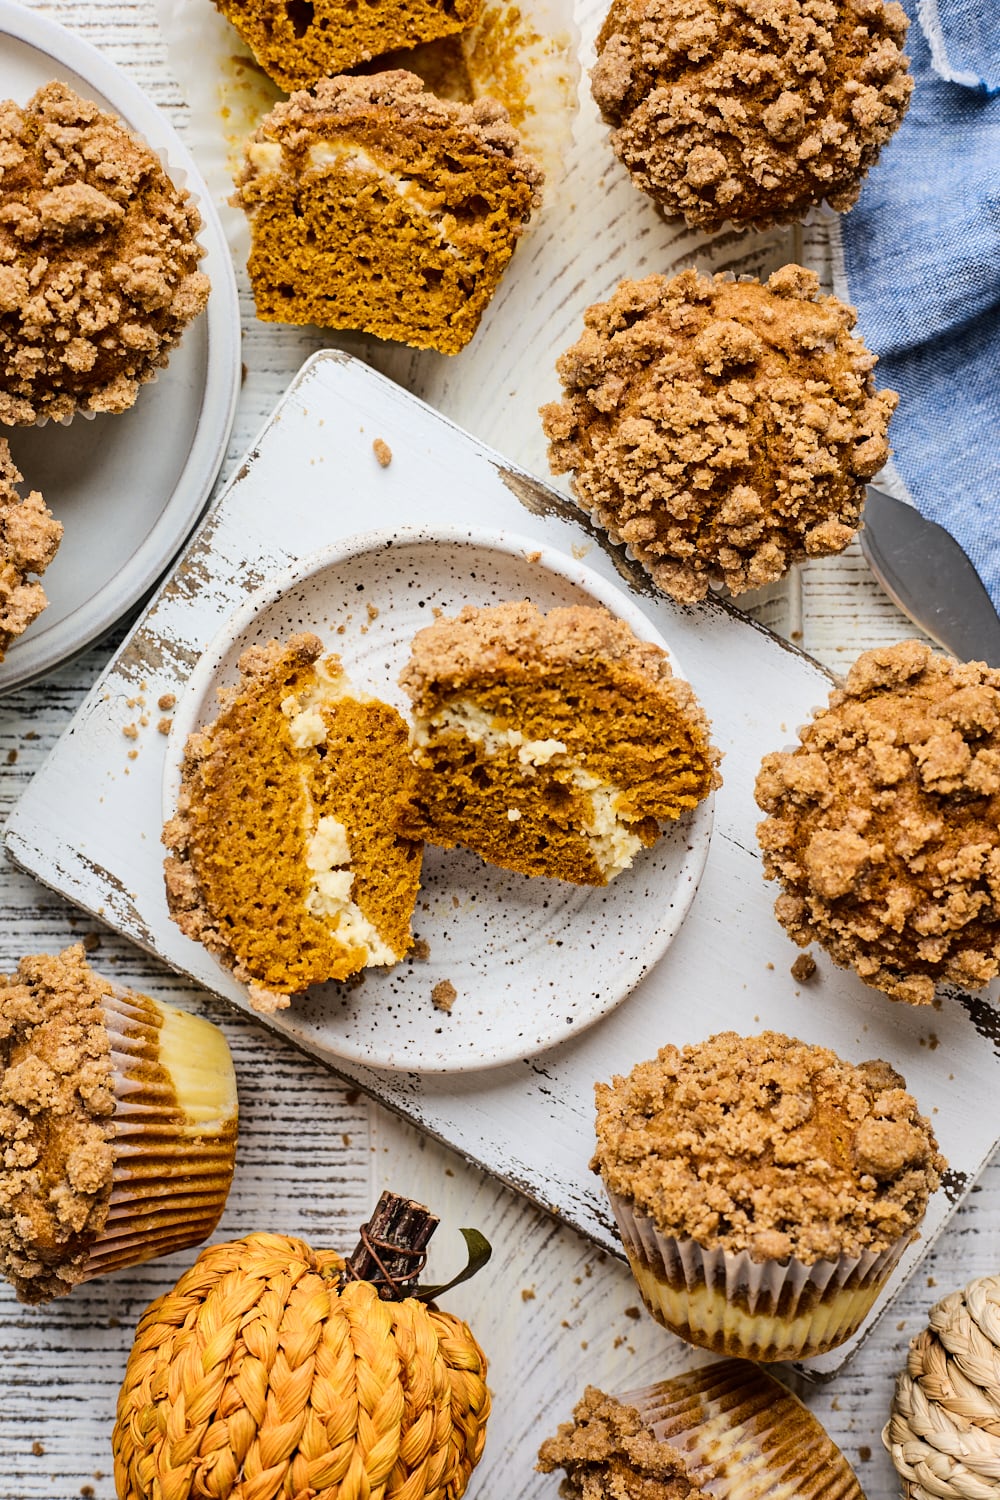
(883, 824)
(98, 260)
(768, 1145)
(734, 110)
(720, 428)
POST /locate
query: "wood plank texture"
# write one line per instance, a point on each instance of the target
(551, 1311)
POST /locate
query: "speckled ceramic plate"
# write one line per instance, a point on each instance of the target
(128, 489)
(533, 961)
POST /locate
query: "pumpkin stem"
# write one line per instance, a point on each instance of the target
(392, 1250)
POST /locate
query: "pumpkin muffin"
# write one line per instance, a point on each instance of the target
(721, 429)
(374, 205)
(282, 859)
(298, 42)
(727, 1430)
(117, 1126)
(98, 260)
(764, 1189)
(29, 539)
(883, 826)
(748, 113)
(549, 744)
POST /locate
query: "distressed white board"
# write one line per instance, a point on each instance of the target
(89, 823)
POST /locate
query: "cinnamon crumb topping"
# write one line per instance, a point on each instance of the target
(722, 429)
(749, 112)
(884, 823)
(56, 1104)
(29, 539)
(98, 260)
(769, 1145)
(608, 1454)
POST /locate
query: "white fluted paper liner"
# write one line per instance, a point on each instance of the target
(174, 1123)
(745, 1437)
(732, 1304)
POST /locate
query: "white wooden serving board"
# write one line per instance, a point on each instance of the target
(89, 823)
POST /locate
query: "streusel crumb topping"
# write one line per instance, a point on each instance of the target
(56, 1106)
(884, 823)
(98, 260)
(608, 1454)
(749, 112)
(769, 1145)
(721, 428)
(29, 538)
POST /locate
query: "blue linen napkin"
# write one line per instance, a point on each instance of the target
(921, 261)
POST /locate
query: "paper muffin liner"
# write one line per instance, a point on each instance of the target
(732, 1304)
(745, 1437)
(175, 1125)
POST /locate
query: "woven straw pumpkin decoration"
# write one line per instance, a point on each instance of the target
(944, 1432)
(265, 1374)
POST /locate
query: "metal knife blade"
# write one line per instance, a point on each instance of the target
(928, 574)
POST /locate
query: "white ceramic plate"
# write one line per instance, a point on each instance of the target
(128, 489)
(533, 961)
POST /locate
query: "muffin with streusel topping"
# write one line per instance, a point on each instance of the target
(98, 260)
(29, 538)
(727, 1430)
(721, 429)
(882, 826)
(748, 113)
(118, 1119)
(764, 1189)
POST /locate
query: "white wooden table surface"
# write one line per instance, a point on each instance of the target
(551, 1312)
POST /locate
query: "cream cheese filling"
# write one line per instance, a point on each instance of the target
(612, 842)
(328, 850)
(328, 855)
(266, 157)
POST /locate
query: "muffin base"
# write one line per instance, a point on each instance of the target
(175, 1123)
(735, 1425)
(731, 1304)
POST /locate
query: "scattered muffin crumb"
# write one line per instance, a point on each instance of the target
(131, 731)
(164, 726)
(864, 1453)
(38, 1449)
(11, 757)
(527, 1294)
(632, 1312)
(730, 112)
(91, 942)
(166, 702)
(804, 968)
(721, 429)
(421, 948)
(883, 825)
(444, 995)
(382, 452)
(372, 613)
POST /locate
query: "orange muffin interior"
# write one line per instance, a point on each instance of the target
(549, 744)
(283, 862)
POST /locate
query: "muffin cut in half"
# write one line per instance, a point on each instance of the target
(283, 861)
(297, 42)
(550, 744)
(118, 1121)
(98, 260)
(29, 539)
(375, 205)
